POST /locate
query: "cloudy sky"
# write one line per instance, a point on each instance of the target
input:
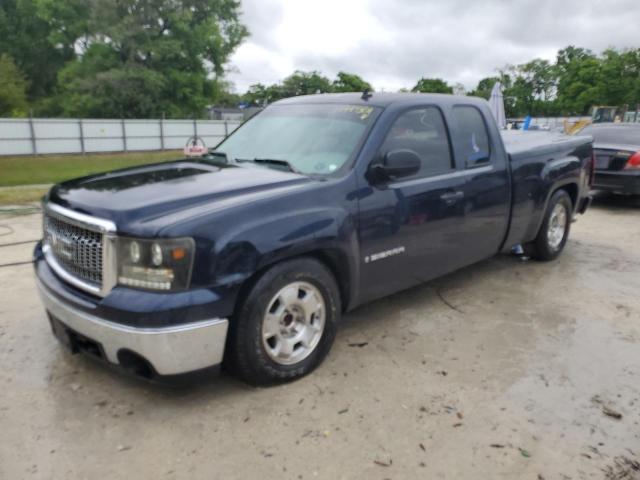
(392, 43)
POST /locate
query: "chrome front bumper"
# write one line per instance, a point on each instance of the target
(170, 350)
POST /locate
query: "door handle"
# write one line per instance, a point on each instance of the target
(452, 197)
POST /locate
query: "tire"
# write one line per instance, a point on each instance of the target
(555, 228)
(286, 323)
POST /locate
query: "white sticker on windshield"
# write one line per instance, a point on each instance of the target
(332, 167)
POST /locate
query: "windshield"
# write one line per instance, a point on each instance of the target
(313, 139)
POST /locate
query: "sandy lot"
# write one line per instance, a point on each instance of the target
(505, 369)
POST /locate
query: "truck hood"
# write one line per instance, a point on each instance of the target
(143, 194)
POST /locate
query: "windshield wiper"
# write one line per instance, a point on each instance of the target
(271, 161)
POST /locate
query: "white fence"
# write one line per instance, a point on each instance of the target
(35, 136)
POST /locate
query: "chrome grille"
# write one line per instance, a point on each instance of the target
(78, 250)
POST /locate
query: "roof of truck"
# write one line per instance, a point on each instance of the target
(381, 99)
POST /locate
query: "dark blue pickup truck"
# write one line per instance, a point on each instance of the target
(250, 254)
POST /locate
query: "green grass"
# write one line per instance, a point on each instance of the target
(49, 169)
(21, 196)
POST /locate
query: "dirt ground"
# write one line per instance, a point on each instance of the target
(506, 369)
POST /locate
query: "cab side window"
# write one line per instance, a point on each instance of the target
(422, 131)
(470, 137)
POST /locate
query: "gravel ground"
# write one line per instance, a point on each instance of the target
(505, 369)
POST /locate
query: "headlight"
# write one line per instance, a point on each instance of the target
(160, 264)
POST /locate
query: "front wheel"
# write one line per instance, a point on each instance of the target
(554, 231)
(286, 324)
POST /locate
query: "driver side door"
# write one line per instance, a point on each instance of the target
(410, 227)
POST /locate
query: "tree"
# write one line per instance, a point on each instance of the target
(95, 86)
(25, 37)
(579, 80)
(484, 87)
(304, 83)
(261, 95)
(432, 85)
(141, 58)
(540, 77)
(13, 95)
(223, 94)
(620, 73)
(350, 82)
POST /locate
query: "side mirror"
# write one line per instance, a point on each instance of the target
(396, 164)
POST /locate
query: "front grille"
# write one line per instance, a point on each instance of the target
(78, 250)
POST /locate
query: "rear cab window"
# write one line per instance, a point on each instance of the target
(470, 136)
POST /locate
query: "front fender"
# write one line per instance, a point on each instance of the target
(253, 246)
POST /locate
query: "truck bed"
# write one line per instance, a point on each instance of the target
(520, 145)
(533, 155)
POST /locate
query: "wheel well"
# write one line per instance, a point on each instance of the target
(334, 260)
(572, 190)
(338, 264)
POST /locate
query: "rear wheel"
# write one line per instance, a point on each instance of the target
(554, 231)
(287, 323)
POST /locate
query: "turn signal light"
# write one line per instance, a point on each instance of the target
(633, 162)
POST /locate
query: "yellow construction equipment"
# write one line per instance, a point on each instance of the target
(604, 114)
